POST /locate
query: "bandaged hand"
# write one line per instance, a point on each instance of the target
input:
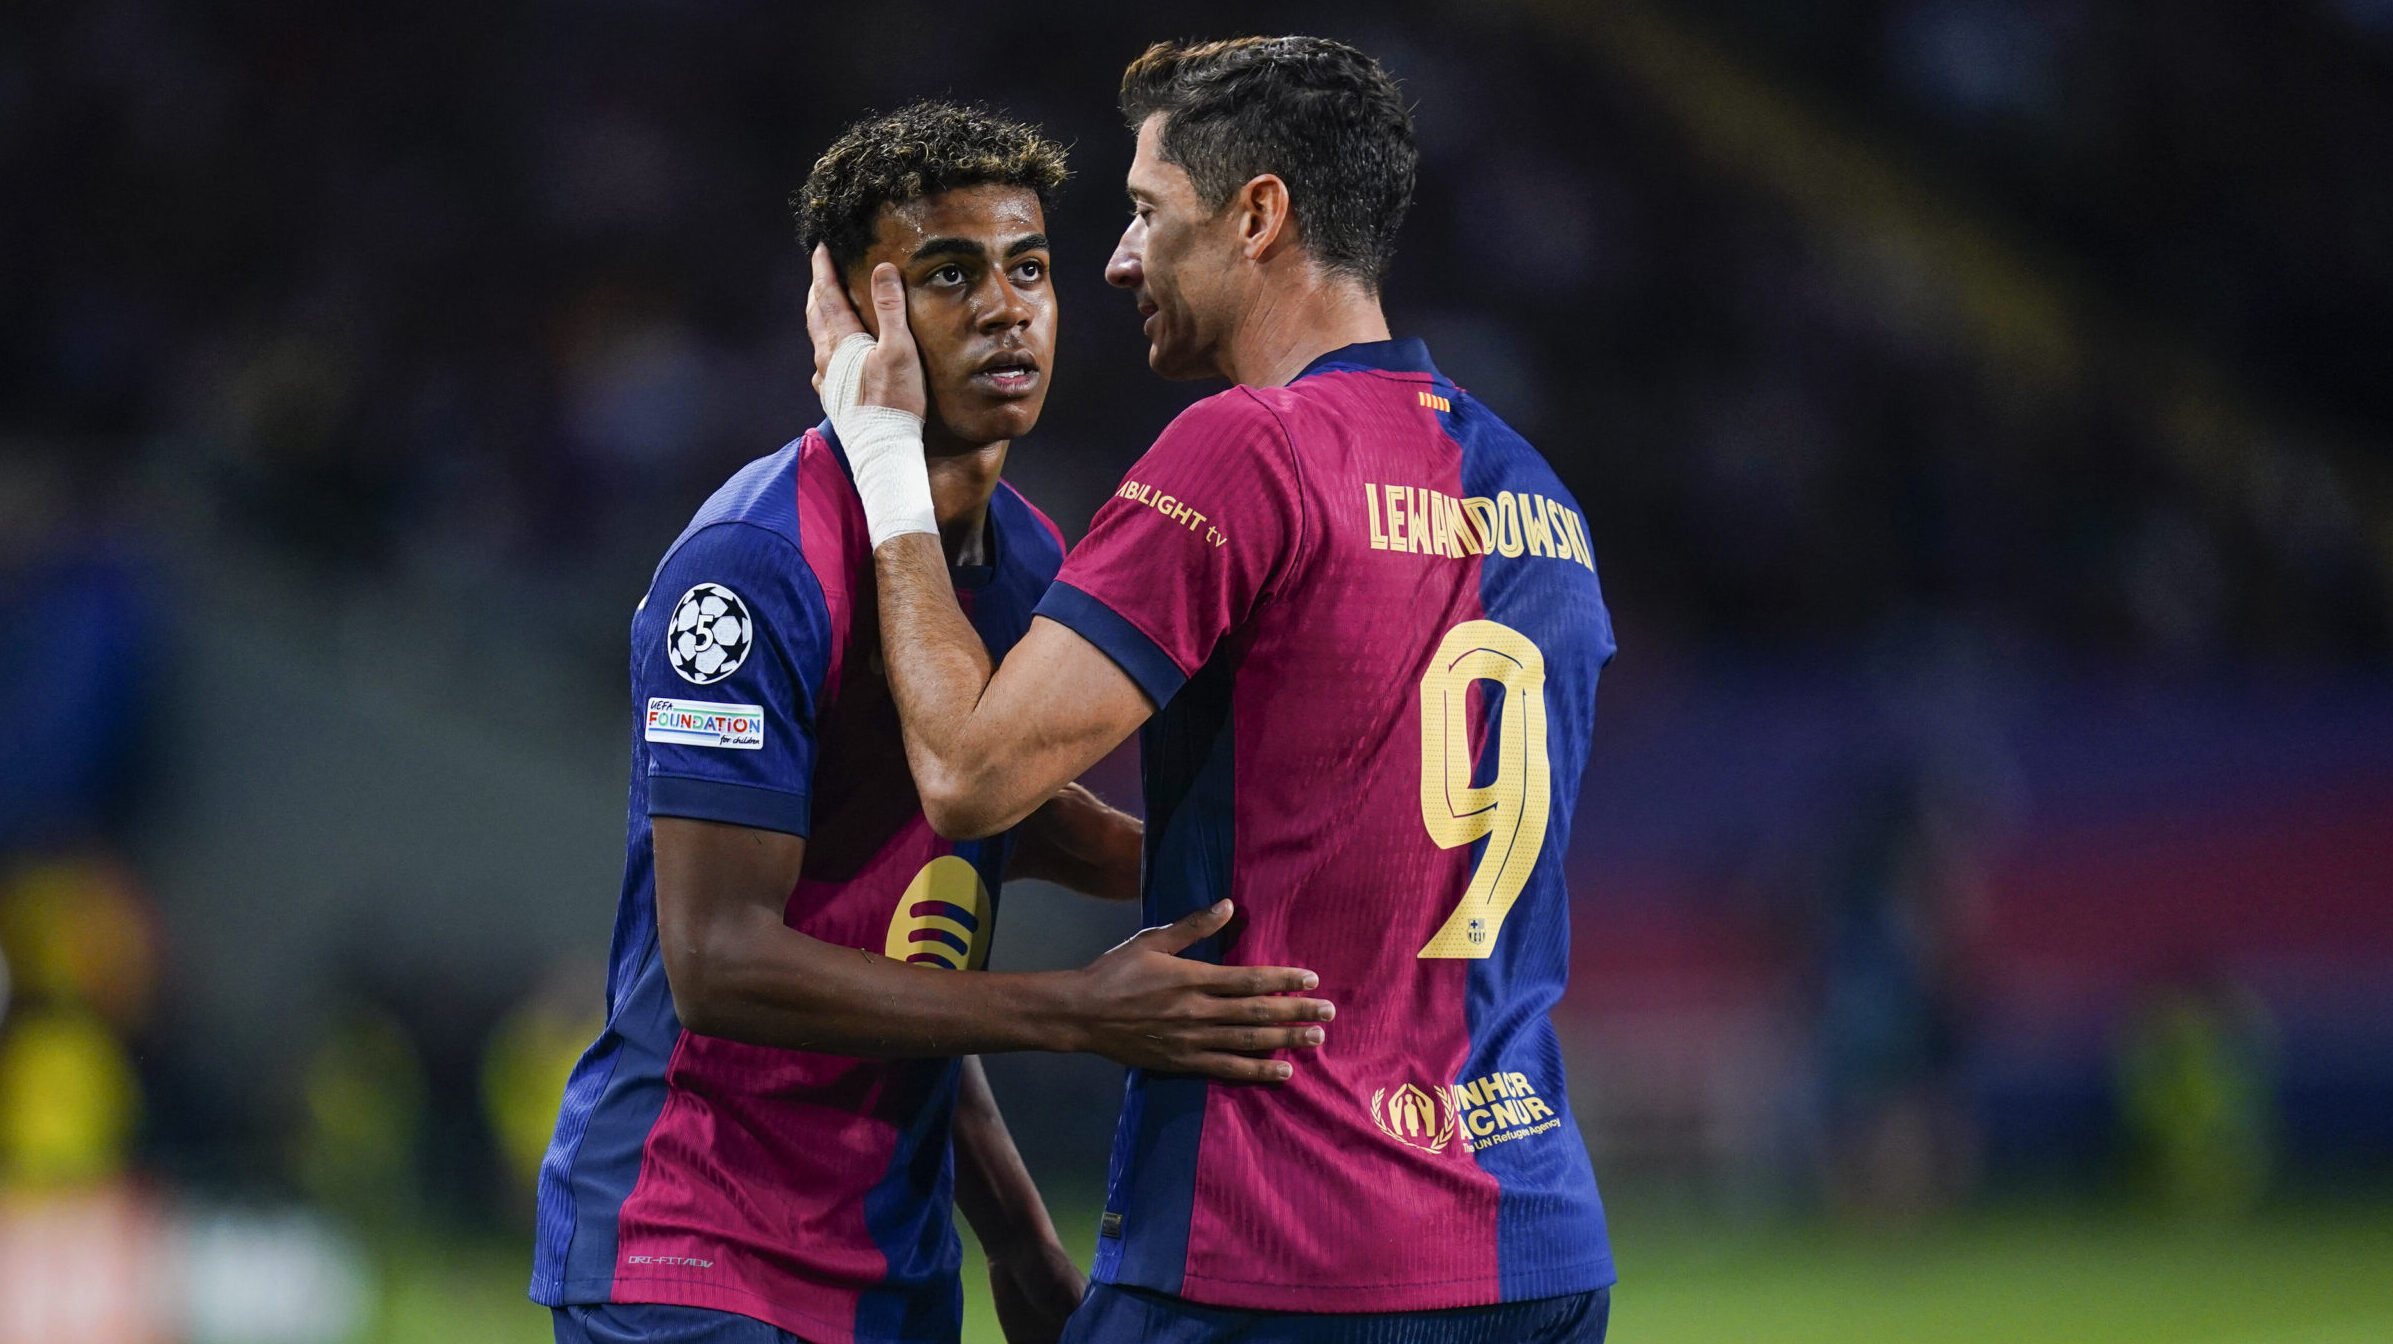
(873, 392)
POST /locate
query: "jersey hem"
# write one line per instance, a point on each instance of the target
(734, 804)
(1478, 1291)
(666, 1292)
(1114, 635)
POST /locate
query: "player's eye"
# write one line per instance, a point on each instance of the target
(1031, 270)
(950, 274)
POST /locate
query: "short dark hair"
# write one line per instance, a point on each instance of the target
(919, 150)
(1322, 116)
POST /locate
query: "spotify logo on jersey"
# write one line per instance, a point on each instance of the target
(944, 917)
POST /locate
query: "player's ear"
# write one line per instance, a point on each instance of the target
(1263, 212)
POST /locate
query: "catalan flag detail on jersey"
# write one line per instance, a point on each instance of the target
(1369, 613)
(812, 1192)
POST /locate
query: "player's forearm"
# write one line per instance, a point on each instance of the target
(938, 670)
(993, 1188)
(1077, 842)
(771, 985)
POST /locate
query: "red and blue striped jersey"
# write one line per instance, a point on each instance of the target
(810, 1191)
(1369, 613)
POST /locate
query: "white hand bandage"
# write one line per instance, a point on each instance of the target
(884, 447)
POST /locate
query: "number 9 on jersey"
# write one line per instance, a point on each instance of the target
(1510, 810)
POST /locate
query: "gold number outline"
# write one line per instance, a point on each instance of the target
(1454, 810)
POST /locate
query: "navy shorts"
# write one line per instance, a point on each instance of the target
(652, 1323)
(1113, 1314)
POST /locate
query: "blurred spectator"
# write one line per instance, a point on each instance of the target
(2197, 1098)
(78, 649)
(1892, 1016)
(531, 1052)
(68, 1102)
(359, 1148)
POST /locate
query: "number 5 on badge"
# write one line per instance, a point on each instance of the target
(1509, 810)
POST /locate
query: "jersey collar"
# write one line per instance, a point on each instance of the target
(965, 577)
(1403, 355)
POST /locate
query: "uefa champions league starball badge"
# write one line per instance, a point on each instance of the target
(710, 635)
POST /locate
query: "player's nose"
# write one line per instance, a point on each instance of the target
(1009, 308)
(1124, 269)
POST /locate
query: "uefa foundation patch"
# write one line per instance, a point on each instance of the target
(702, 723)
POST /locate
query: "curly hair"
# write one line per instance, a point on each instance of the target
(919, 150)
(1324, 117)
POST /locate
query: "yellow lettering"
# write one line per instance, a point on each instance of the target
(1379, 539)
(1416, 522)
(1508, 524)
(1482, 513)
(1506, 1113)
(1537, 538)
(1538, 1110)
(1481, 1123)
(1578, 537)
(1467, 1094)
(1440, 526)
(1520, 1085)
(1395, 517)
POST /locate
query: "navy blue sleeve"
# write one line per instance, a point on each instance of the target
(1126, 644)
(729, 655)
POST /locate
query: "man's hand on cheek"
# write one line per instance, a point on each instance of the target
(889, 374)
(873, 391)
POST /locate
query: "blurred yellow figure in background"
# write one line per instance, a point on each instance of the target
(524, 1068)
(82, 965)
(68, 1103)
(79, 1244)
(363, 1094)
(2198, 1101)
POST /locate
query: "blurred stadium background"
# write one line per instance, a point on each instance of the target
(1983, 410)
